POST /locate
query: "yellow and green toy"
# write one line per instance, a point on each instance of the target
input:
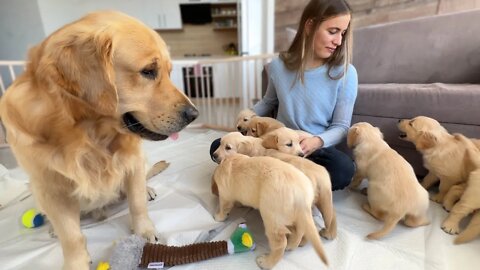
(32, 218)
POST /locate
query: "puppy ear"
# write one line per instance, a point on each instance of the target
(352, 137)
(426, 140)
(81, 63)
(261, 128)
(245, 148)
(270, 141)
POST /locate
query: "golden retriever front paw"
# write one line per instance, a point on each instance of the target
(146, 229)
(450, 227)
(79, 262)
(262, 262)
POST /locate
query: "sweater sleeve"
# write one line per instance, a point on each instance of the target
(269, 102)
(342, 114)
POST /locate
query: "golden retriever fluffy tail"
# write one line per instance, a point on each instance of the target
(307, 225)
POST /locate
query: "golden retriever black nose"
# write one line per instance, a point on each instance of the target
(190, 113)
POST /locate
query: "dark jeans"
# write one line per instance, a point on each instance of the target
(338, 164)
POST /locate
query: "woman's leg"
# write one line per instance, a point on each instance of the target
(215, 144)
(338, 164)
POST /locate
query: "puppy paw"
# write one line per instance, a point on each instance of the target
(373, 236)
(151, 194)
(220, 217)
(327, 234)
(447, 206)
(262, 262)
(450, 227)
(437, 198)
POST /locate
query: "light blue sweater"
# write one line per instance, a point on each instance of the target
(321, 106)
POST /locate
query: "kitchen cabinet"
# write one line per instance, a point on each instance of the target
(162, 14)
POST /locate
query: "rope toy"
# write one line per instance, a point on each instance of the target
(135, 253)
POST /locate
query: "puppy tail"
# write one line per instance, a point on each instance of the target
(312, 235)
(472, 230)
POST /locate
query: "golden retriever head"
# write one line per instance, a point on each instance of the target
(233, 143)
(285, 140)
(243, 118)
(361, 132)
(108, 64)
(258, 126)
(414, 129)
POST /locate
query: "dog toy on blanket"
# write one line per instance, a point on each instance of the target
(135, 253)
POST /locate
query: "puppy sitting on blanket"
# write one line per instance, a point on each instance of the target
(442, 153)
(281, 193)
(234, 142)
(393, 190)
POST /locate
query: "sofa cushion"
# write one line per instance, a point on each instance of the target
(441, 48)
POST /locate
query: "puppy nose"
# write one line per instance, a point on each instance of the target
(190, 113)
(239, 128)
(399, 120)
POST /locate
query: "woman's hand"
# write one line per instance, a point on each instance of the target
(310, 144)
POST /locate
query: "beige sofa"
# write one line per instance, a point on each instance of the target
(428, 66)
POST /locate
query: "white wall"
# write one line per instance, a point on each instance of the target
(20, 28)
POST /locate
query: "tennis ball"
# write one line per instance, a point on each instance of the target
(32, 219)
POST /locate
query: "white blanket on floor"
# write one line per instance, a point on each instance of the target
(183, 211)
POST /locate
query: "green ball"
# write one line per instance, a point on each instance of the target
(32, 219)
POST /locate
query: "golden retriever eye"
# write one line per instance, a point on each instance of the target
(290, 144)
(150, 74)
(410, 123)
(228, 147)
(245, 119)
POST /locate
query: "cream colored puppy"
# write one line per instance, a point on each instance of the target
(281, 193)
(258, 126)
(442, 153)
(243, 118)
(469, 200)
(234, 142)
(393, 190)
(285, 140)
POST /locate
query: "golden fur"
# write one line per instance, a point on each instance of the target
(75, 119)
(393, 190)
(258, 126)
(469, 198)
(443, 153)
(281, 193)
(243, 118)
(285, 140)
(236, 143)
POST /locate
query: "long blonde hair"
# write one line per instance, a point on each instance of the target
(301, 49)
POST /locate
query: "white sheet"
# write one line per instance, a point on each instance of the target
(183, 210)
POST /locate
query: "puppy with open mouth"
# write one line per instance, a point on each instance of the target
(443, 153)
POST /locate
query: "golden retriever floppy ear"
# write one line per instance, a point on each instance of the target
(270, 141)
(81, 63)
(244, 148)
(425, 140)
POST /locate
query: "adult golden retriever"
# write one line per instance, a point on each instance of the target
(76, 117)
